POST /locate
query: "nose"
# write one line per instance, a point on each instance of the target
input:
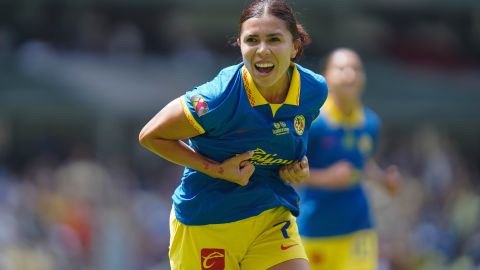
(263, 48)
(350, 74)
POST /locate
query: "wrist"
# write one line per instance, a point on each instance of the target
(212, 168)
(217, 170)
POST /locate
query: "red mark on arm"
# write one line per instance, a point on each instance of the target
(221, 170)
(206, 165)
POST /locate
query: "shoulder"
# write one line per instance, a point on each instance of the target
(221, 82)
(212, 102)
(313, 85)
(311, 78)
(215, 91)
(371, 116)
(227, 73)
(313, 90)
(321, 121)
(372, 120)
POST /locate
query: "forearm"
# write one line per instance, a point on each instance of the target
(339, 175)
(320, 178)
(178, 152)
(163, 133)
(328, 178)
(163, 136)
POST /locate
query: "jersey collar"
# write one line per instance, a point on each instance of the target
(256, 99)
(338, 117)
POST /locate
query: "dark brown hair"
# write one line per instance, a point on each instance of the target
(283, 11)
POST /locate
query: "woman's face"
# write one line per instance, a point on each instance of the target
(345, 75)
(267, 48)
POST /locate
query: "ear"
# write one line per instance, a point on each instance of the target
(296, 46)
(238, 42)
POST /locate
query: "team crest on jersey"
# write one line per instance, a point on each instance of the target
(280, 128)
(365, 144)
(201, 107)
(299, 124)
(349, 140)
(212, 258)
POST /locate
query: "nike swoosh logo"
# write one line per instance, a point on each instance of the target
(282, 247)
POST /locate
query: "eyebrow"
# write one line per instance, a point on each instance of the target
(269, 35)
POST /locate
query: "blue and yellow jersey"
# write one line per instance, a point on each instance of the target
(233, 117)
(335, 137)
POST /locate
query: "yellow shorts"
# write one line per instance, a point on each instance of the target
(356, 251)
(255, 243)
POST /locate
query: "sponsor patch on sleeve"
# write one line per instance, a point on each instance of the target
(201, 107)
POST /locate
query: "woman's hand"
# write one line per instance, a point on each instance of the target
(237, 169)
(296, 172)
(392, 180)
(343, 174)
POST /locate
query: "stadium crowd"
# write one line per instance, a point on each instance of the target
(64, 206)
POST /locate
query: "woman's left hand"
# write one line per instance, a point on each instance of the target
(296, 172)
(392, 180)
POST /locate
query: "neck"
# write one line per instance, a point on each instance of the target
(276, 93)
(345, 106)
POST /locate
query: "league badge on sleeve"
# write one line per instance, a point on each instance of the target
(201, 107)
(299, 124)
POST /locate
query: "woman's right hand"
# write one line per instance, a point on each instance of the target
(237, 169)
(339, 175)
(343, 174)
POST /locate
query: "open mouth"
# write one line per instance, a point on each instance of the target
(264, 68)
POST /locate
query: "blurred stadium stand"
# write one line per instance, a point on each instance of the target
(78, 79)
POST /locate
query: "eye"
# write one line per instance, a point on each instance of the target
(274, 39)
(251, 40)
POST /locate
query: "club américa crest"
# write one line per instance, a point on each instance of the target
(299, 124)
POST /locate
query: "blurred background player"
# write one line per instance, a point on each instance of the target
(248, 134)
(336, 222)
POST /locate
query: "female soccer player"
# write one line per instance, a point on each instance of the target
(335, 221)
(247, 131)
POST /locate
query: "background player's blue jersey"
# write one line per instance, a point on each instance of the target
(328, 212)
(233, 118)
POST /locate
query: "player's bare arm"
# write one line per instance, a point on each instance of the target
(164, 133)
(339, 175)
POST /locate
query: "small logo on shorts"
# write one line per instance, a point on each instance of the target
(213, 259)
(282, 247)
